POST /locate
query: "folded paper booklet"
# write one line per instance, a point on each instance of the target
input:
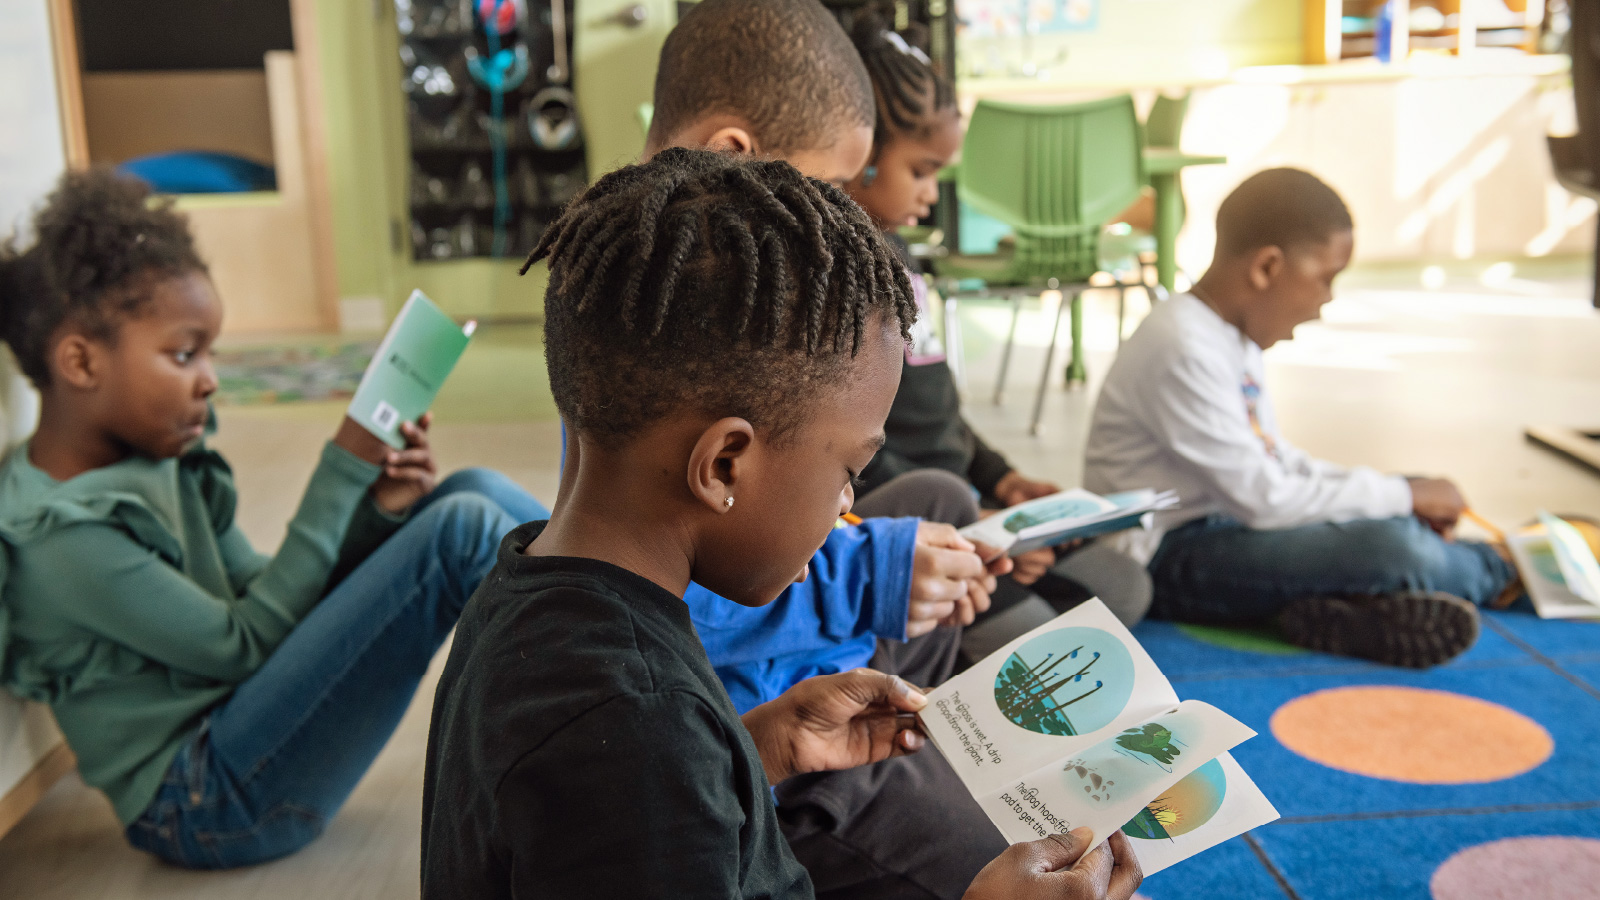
(1068, 516)
(408, 369)
(1073, 725)
(1558, 569)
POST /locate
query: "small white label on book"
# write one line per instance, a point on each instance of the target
(385, 416)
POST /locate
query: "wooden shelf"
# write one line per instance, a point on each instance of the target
(1325, 40)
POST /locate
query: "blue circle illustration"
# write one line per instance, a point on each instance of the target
(1050, 511)
(1065, 682)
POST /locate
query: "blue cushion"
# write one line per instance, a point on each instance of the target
(201, 172)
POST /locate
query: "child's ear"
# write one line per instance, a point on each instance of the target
(718, 461)
(78, 361)
(1266, 263)
(731, 139)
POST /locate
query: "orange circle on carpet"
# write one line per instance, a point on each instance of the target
(1411, 735)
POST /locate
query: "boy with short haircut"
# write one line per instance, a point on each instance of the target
(581, 745)
(1350, 560)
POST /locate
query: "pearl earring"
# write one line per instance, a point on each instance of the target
(728, 503)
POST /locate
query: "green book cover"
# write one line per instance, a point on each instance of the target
(411, 364)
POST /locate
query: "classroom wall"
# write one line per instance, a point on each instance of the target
(32, 156)
(1205, 37)
(31, 152)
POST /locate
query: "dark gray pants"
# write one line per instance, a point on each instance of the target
(905, 827)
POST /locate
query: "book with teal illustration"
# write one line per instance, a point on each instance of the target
(1073, 725)
(1558, 569)
(408, 369)
(1070, 515)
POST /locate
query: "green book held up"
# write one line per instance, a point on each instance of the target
(411, 364)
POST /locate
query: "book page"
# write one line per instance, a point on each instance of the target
(1038, 516)
(1213, 803)
(1546, 585)
(1046, 695)
(1106, 784)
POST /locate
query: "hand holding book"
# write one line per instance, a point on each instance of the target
(409, 474)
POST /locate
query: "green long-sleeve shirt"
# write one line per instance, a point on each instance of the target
(133, 604)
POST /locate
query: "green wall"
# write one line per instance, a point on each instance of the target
(1138, 37)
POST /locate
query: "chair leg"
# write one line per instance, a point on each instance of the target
(954, 351)
(1122, 306)
(1005, 355)
(1077, 371)
(1049, 360)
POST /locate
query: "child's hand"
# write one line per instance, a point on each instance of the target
(1014, 488)
(1438, 502)
(949, 582)
(408, 475)
(359, 442)
(836, 722)
(1056, 867)
(1031, 566)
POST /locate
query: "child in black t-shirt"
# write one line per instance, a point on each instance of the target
(718, 329)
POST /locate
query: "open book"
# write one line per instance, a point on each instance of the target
(1558, 569)
(1067, 516)
(408, 369)
(1073, 725)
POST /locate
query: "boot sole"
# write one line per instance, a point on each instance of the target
(1414, 630)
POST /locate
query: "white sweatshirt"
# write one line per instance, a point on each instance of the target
(1185, 407)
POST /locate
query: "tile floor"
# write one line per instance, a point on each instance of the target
(1403, 378)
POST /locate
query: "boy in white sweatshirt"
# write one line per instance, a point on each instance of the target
(1351, 560)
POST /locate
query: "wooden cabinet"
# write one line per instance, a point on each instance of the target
(269, 251)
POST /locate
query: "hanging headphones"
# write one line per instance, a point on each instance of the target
(502, 72)
(504, 16)
(553, 119)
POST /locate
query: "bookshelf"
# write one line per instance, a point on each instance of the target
(1337, 30)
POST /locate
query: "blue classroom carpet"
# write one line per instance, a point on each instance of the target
(1351, 836)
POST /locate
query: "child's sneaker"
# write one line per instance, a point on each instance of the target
(1415, 629)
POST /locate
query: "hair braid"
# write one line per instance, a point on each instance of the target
(910, 92)
(731, 284)
(682, 236)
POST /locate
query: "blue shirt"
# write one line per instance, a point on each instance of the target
(859, 590)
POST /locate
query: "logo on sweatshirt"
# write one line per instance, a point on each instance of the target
(1252, 399)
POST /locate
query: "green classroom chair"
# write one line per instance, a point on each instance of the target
(1056, 175)
(1126, 249)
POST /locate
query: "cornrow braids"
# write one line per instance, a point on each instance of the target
(909, 91)
(98, 241)
(722, 283)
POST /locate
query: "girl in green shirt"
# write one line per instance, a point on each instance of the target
(225, 701)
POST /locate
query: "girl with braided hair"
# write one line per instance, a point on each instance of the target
(724, 338)
(226, 702)
(918, 132)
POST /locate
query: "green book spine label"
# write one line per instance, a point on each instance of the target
(411, 364)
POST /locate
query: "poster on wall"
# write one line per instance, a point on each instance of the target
(1011, 18)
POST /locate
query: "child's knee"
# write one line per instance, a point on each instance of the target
(476, 480)
(468, 526)
(1404, 549)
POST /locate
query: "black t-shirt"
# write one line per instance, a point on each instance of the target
(582, 746)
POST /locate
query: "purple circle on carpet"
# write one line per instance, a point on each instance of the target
(1549, 868)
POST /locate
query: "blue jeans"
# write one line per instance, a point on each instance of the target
(1215, 570)
(271, 765)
